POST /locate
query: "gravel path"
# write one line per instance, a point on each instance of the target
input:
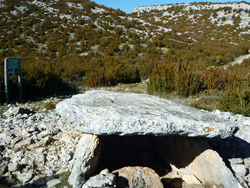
(238, 60)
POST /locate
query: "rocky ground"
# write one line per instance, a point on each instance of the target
(36, 148)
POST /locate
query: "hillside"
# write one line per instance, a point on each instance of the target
(202, 21)
(66, 36)
(181, 48)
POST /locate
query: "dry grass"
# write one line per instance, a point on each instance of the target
(129, 88)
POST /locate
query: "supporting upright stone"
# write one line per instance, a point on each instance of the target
(193, 160)
(85, 160)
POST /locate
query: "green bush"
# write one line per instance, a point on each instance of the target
(110, 71)
(50, 105)
(236, 101)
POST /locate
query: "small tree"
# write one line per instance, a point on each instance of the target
(236, 101)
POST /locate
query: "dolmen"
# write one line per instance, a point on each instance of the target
(140, 140)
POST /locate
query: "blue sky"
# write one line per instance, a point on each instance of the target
(127, 5)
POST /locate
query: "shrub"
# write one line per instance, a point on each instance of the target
(180, 77)
(110, 71)
(50, 105)
(236, 101)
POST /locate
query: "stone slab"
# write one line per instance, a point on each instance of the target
(101, 112)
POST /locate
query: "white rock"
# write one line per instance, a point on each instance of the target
(246, 122)
(32, 128)
(14, 141)
(43, 134)
(239, 117)
(5, 138)
(104, 171)
(13, 111)
(66, 139)
(25, 116)
(3, 167)
(191, 179)
(53, 182)
(85, 160)
(17, 156)
(24, 177)
(239, 169)
(247, 162)
(65, 157)
(63, 169)
(217, 112)
(39, 160)
(100, 180)
(13, 167)
(236, 161)
(48, 171)
(37, 181)
(40, 150)
(243, 132)
(41, 126)
(25, 133)
(41, 143)
(22, 143)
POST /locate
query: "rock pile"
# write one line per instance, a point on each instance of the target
(34, 147)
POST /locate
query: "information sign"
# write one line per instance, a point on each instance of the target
(12, 67)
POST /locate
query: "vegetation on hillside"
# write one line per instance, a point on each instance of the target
(63, 44)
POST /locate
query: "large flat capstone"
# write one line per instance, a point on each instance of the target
(114, 113)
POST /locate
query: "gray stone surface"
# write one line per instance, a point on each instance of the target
(243, 132)
(239, 169)
(247, 162)
(236, 161)
(13, 111)
(13, 167)
(52, 182)
(101, 180)
(192, 158)
(113, 113)
(24, 177)
(242, 123)
(85, 160)
(3, 167)
(22, 143)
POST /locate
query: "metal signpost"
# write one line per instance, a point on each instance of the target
(12, 67)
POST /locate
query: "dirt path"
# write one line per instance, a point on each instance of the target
(238, 60)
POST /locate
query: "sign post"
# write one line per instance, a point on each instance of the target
(12, 67)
